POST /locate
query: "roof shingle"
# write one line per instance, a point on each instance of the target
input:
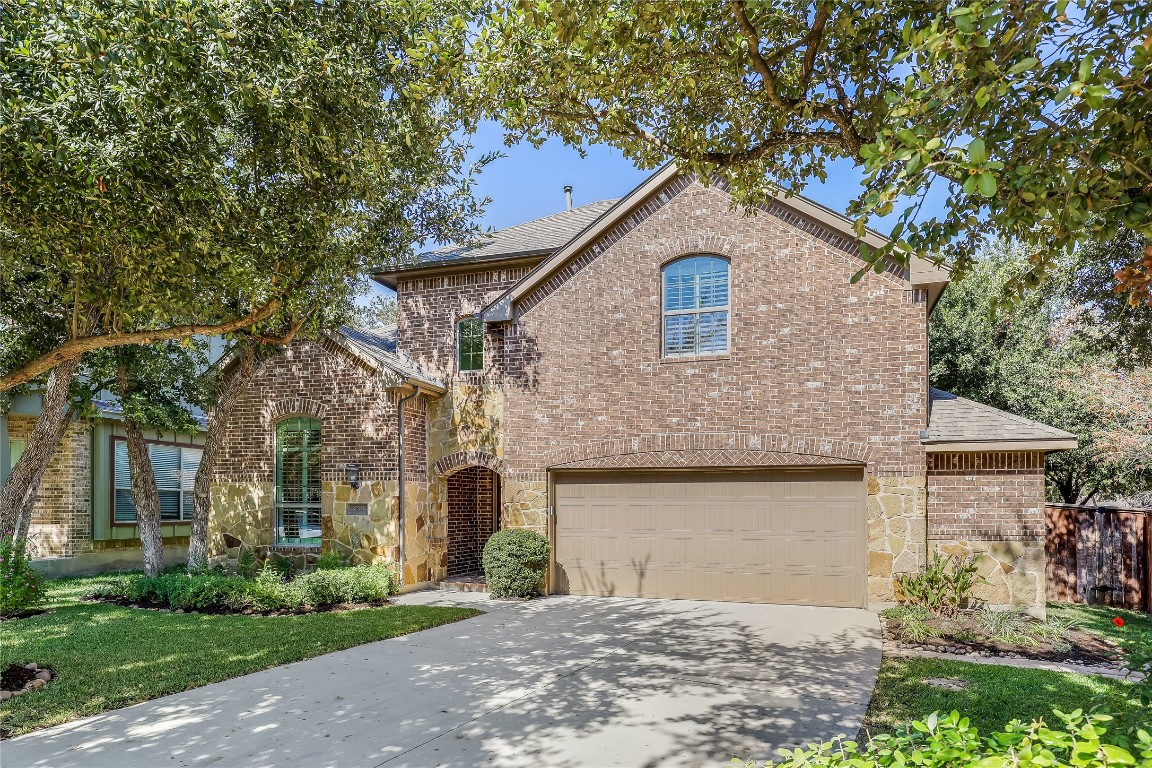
(379, 346)
(538, 237)
(954, 419)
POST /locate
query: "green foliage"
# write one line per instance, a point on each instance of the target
(357, 584)
(943, 587)
(515, 561)
(214, 591)
(222, 162)
(21, 587)
(1073, 738)
(1053, 357)
(1008, 626)
(329, 560)
(1025, 119)
(282, 567)
(913, 622)
(246, 564)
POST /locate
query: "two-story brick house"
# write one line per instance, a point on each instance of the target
(687, 400)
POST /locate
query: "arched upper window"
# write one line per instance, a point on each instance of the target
(695, 306)
(298, 482)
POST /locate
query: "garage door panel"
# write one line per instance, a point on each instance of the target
(776, 535)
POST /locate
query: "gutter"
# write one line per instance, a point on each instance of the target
(400, 474)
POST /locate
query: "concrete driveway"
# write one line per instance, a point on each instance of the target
(563, 681)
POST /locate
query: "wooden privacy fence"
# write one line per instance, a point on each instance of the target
(1100, 556)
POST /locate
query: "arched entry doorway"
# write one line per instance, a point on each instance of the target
(473, 516)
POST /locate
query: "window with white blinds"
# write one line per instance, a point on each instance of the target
(175, 469)
(696, 306)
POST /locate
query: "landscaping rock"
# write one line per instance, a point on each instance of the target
(37, 683)
(44, 675)
(31, 666)
(5, 695)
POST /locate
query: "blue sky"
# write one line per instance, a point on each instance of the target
(529, 183)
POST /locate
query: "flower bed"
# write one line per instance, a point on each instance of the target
(988, 632)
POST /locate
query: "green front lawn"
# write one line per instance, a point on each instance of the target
(108, 656)
(1136, 633)
(994, 695)
(997, 694)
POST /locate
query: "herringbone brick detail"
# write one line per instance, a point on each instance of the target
(675, 459)
(712, 450)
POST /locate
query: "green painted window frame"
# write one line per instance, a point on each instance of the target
(470, 344)
(298, 504)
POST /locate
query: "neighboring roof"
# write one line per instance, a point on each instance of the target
(377, 348)
(539, 237)
(958, 424)
(111, 409)
(921, 272)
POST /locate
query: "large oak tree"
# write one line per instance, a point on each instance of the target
(180, 168)
(1032, 116)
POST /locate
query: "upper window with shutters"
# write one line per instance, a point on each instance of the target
(695, 306)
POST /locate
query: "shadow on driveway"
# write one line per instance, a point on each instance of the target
(562, 681)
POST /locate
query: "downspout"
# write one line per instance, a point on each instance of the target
(400, 475)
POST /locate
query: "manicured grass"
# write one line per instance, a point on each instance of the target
(995, 694)
(108, 656)
(1136, 634)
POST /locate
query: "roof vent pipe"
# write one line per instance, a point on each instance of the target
(567, 197)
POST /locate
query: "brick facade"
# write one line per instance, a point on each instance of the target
(986, 496)
(61, 523)
(357, 412)
(819, 371)
(812, 356)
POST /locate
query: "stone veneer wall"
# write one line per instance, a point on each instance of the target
(62, 517)
(897, 532)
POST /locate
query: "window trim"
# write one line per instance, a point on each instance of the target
(665, 313)
(459, 350)
(112, 439)
(277, 472)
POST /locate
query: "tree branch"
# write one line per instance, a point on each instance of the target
(74, 348)
(752, 43)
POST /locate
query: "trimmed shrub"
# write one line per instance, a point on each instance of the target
(1073, 738)
(329, 561)
(358, 584)
(515, 561)
(21, 587)
(267, 592)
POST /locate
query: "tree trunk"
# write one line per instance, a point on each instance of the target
(146, 498)
(213, 442)
(18, 495)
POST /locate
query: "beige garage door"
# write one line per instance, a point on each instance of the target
(765, 536)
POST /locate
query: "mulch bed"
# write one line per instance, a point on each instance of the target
(18, 679)
(964, 634)
(222, 611)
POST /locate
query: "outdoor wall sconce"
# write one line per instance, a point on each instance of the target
(352, 475)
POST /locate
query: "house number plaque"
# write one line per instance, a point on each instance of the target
(357, 509)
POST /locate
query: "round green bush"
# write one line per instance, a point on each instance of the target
(515, 561)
